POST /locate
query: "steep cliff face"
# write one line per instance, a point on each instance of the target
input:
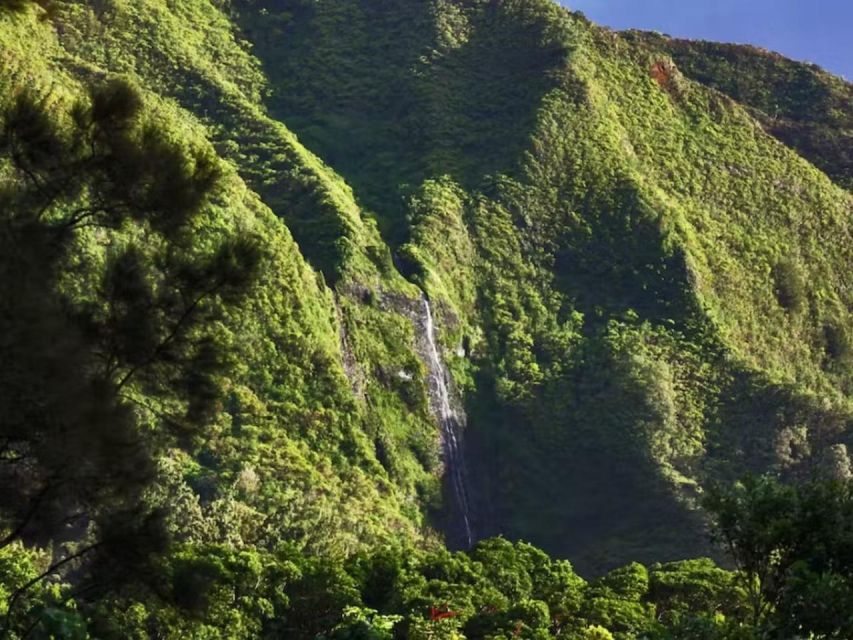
(636, 289)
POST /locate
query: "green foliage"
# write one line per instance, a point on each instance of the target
(20, 6)
(800, 104)
(753, 522)
(574, 222)
(792, 548)
(789, 286)
(28, 604)
(142, 328)
(364, 624)
(637, 294)
(595, 632)
(202, 591)
(498, 590)
(617, 601)
(692, 588)
(290, 414)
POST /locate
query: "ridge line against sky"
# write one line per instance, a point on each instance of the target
(818, 31)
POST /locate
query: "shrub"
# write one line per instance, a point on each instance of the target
(790, 288)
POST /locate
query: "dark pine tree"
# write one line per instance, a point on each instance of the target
(76, 377)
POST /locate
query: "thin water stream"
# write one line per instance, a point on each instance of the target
(451, 422)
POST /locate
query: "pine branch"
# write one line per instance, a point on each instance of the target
(20, 591)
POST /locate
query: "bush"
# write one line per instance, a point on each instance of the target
(790, 288)
(838, 343)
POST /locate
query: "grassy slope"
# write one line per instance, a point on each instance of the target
(686, 208)
(607, 244)
(293, 419)
(800, 104)
(611, 248)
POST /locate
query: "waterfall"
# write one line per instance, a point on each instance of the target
(451, 423)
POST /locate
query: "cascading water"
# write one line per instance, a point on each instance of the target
(451, 426)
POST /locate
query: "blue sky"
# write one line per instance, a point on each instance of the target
(819, 31)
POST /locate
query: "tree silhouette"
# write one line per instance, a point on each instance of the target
(79, 373)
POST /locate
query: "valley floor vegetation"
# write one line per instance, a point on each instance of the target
(792, 549)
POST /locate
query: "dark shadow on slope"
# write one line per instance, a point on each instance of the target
(572, 471)
(573, 474)
(762, 427)
(376, 91)
(618, 265)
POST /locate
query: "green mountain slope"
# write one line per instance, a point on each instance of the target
(293, 419)
(800, 104)
(637, 251)
(647, 259)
